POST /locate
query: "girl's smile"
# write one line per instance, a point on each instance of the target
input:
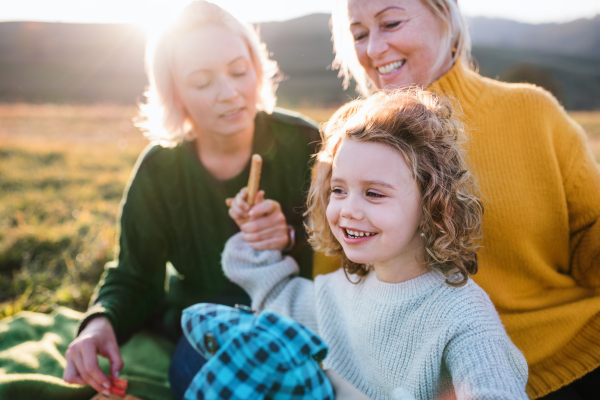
(374, 210)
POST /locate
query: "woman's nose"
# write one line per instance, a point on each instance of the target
(227, 89)
(377, 45)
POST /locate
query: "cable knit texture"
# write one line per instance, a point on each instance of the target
(540, 260)
(420, 336)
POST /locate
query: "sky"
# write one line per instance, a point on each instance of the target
(151, 12)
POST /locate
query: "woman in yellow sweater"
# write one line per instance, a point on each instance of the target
(540, 261)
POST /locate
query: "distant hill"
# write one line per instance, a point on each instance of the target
(58, 62)
(579, 38)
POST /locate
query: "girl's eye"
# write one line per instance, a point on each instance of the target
(370, 193)
(337, 190)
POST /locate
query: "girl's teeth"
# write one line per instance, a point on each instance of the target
(355, 234)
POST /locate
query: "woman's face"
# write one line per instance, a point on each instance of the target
(398, 42)
(215, 81)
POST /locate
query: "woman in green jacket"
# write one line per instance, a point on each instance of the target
(210, 106)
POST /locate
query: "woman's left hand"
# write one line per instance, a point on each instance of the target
(263, 226)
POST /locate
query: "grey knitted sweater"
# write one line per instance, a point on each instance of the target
(420, 337)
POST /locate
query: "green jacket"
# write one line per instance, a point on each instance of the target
(174, 224)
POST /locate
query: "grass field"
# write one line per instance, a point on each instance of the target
(62, 173)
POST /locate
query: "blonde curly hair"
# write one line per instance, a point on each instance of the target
(424, 128)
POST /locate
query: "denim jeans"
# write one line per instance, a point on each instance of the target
(185, 364)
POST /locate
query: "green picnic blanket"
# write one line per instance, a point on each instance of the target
(32, 349)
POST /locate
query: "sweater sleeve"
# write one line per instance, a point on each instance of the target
(581, 177)
(131, 288)
(270, 280)
(482, 360)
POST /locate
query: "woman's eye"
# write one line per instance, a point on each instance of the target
(359, 33)
(239, 72)
(374, 194)
(202, 83)
(359, 37)
(239, 68)
(391, 25)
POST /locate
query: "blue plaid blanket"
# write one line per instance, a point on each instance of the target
(268, 356)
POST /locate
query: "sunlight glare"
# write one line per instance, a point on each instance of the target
(156, 17)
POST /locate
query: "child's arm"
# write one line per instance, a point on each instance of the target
(485, 364)
(269, 278)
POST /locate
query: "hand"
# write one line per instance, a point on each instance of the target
(97, 338)
(263, 226)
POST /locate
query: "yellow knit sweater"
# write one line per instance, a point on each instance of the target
(540, 261)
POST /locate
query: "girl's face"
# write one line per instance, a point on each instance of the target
(398, 42)
(374, 209)
(215, 81)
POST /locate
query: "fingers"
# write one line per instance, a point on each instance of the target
(80, 366)
(264, 208)
(89, 358)
(97, 338)
(278, 243)
(70, 374)
(238, 207)
(264, 231)
(267, 233)
(260, 197)
(114, 356)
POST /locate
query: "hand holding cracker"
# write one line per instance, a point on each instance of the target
(261, 221)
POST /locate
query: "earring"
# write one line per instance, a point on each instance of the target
(422, 235)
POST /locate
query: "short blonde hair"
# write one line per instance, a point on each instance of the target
(424, 129)
(456, 35)
(159, 117)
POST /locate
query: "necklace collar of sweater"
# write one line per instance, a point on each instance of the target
(461, 83)
(392, 292)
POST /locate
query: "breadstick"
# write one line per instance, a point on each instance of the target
(254, 179)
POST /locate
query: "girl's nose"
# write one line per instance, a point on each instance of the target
(352, 210)
(227, 89)
(377, 45)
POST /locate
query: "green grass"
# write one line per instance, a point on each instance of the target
(62, 172)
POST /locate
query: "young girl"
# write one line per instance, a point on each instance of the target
(392, 196)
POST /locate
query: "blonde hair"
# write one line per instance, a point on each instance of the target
(425, 131)
(159, 117)
(456, 35)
